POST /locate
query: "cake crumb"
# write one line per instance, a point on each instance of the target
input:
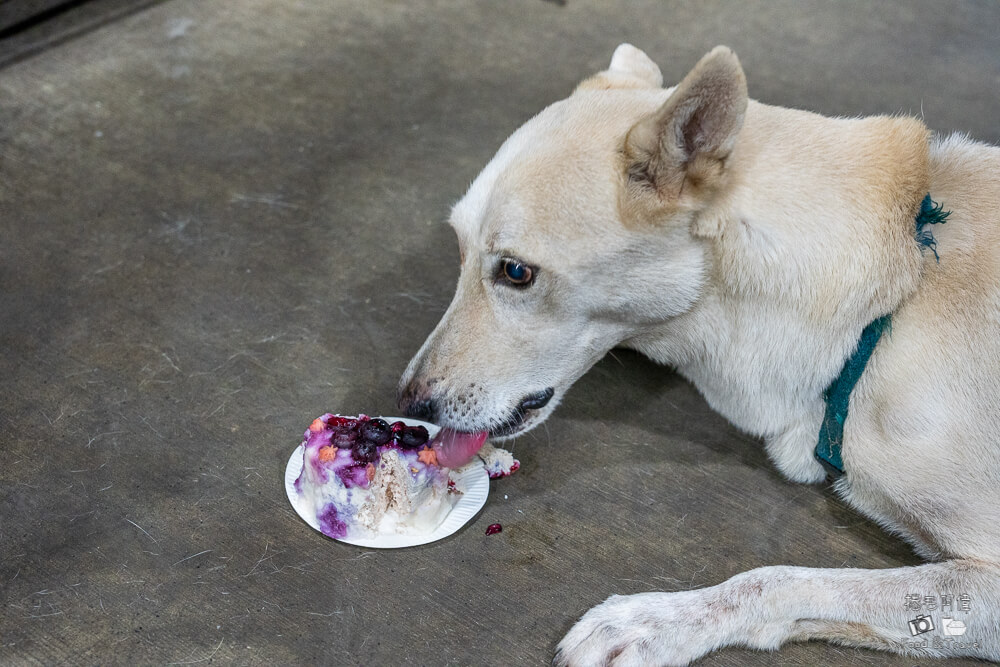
(499, 462)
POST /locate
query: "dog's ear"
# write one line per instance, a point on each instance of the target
(630, 61)
(630, 68)
(687, 140)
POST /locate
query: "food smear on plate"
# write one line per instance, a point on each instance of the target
(499, 462)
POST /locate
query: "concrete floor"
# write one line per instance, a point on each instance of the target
(220, 220)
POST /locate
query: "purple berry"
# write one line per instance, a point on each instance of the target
(365, 451)
(413, 437)
(344, 436)
(376, 431)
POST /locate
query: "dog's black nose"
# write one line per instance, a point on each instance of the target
(425, 410)
(536, 400)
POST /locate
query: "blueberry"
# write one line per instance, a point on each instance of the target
(365, 451)
(343, 436)
(376, 431)
(413, 437)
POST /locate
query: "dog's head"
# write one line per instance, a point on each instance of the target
(577, 236)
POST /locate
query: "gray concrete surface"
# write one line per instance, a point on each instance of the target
(222, 219)
(28, 27)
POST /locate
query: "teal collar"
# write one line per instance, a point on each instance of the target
(838, 394)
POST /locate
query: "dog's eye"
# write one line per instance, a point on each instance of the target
(517, 274)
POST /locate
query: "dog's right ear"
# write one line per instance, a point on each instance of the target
(629, 68)
(681, 148)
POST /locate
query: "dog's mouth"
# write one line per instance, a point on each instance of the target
(455, 447)
(516, 419)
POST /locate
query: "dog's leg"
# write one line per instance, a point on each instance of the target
(769, 606)
(793, 450)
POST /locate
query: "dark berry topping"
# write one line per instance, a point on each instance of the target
(493, 529)
(413, 437)
(344, 435)
(365, 451)
(330, 522)
(397, 427)
(340, 421)
(376, 431)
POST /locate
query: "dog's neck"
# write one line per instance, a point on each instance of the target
(811, 239)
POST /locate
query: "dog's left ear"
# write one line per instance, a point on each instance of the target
(687, 140)
(630, 68)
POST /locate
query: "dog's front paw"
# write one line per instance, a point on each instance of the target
(644, 629)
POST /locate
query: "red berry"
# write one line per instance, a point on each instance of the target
(493, 529)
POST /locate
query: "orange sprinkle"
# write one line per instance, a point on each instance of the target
(370, 471)
(328, 453)
(317, 425)
(428, 456)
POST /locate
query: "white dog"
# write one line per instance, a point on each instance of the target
(750, 247)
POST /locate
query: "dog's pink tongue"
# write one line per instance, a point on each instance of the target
(455, 448)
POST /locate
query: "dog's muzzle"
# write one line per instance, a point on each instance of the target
(537, 400)
(425, 410)
(428, 409)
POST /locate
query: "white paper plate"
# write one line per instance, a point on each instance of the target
(471, 478)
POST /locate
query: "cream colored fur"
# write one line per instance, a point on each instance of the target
(748, 246)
